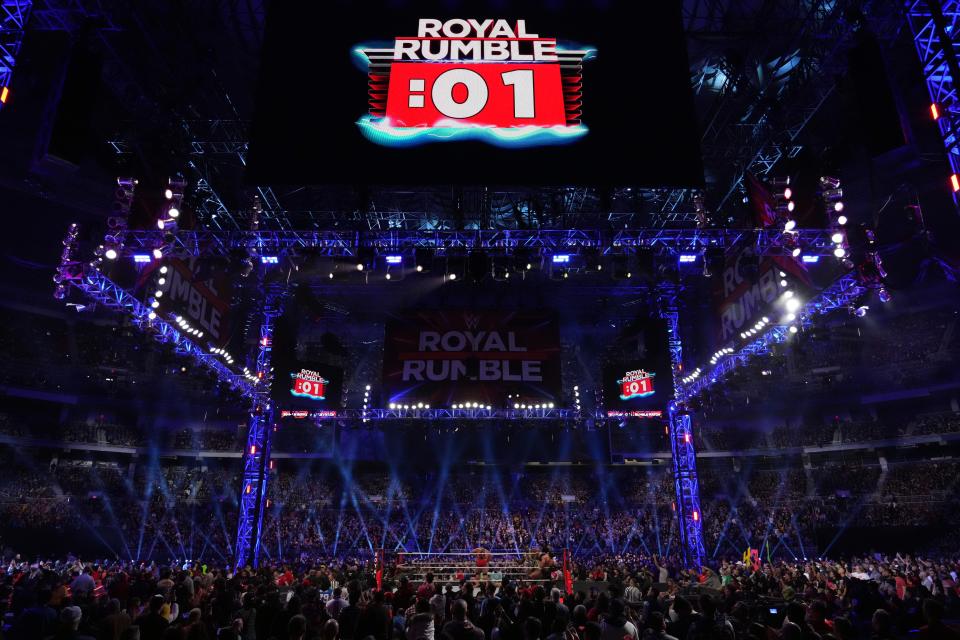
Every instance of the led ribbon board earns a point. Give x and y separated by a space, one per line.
466 79
636 384
309 384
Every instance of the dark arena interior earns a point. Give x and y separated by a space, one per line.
479 320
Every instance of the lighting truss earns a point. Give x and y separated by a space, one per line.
839 295
934 25
101 289
684 458
461 414
256 455
346 243
671 242
13 20
686 486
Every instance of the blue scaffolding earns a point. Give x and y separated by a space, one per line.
87 278
256 456
13 20
934 26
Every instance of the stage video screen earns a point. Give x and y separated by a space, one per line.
427 92
490 358
639 383
307 386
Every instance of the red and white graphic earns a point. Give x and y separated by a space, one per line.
636 384
482 73
309 384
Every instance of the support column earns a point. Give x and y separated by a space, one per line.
256 455
933 23
686 486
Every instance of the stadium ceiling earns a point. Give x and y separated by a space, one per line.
760 71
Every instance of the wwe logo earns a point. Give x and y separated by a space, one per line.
472 321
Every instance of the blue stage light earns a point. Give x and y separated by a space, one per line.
394 259
688 257
561 258
141 258
269 260
811 259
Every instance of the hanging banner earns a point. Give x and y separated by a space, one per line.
491 358
200 295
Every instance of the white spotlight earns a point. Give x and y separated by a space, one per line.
790 225
110 254
841 220
836 238
793 329
168 194
359 266
163 269
792 305
840 252
453 276
174 212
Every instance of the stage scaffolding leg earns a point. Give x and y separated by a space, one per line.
686 486
689 517
256 455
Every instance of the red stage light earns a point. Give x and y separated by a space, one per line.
955 183
4 95
934 111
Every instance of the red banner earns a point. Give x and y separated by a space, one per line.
751 287
444 358
200 296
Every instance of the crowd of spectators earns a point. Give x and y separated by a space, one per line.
628 596
160 509
724 437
